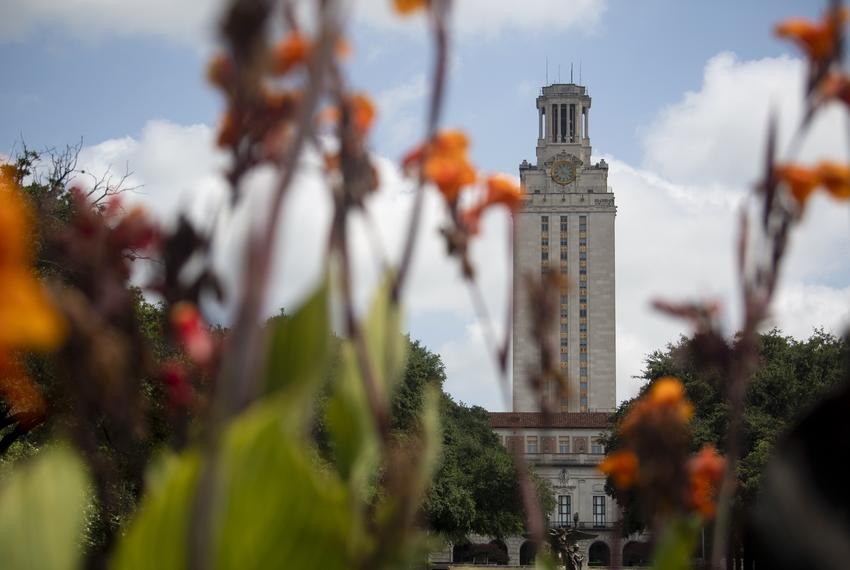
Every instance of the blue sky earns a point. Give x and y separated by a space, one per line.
680 92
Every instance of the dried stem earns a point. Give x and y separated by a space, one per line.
439 12
238 382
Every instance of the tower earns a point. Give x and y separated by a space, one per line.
566 225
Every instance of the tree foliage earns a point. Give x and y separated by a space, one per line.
791 378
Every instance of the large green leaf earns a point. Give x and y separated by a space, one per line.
42 506
676 544
277 505
298 349
156 538
350 424
386 345
281 509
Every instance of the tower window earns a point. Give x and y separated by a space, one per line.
554 123
564 123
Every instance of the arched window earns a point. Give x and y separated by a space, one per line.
599 554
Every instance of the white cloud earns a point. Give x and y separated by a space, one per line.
193 21
490 18
676 228
717 134
180 170
185 21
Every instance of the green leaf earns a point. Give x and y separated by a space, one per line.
158 534
676 544
350 424
298 348
386 345
281 509
42 506
277 505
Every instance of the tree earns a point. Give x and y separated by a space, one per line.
475 489
791 378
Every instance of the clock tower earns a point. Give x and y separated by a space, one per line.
566 225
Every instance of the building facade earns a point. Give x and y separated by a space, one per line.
566 225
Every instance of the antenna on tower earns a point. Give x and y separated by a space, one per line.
547 70
559 73
571 72
579 73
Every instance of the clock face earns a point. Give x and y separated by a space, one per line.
563 172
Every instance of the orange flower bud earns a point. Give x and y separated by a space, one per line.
220 71
502 189
800 180
446 163
819 40
835 178
293 50
622 467
706 473
405 7
192 332
362 113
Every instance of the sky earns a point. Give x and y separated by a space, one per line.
681 94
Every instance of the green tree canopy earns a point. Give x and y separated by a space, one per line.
791 378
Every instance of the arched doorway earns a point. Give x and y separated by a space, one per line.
599 554
636 553
499 552
527 553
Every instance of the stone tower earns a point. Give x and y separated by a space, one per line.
566 224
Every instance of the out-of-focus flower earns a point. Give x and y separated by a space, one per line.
706 472
446 163
27 320
500 190
665 401
191 331
835 178
622 467
228 134
220 71
21 394
176 379
818 40
409 6
290 52
362 113
800 180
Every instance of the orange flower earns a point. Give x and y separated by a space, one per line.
293 50
706 472
501 189
819 40
800 180
362 113
228 133
192 332
665 399
409 6
26 318
446 163
220 71
835 178
622 467
21 394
